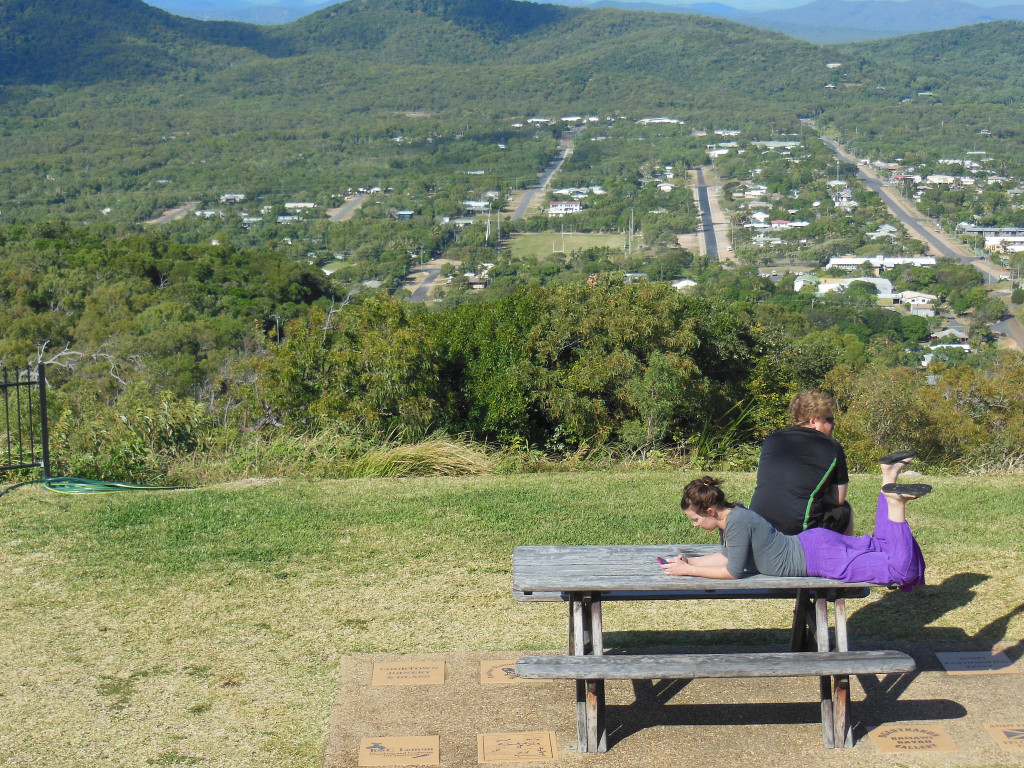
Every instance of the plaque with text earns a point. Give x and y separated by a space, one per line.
977 663
503 672
1009 736
400 750
912 738
408 673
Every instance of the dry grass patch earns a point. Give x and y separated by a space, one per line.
205 627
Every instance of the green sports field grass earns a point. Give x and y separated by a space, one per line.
541 245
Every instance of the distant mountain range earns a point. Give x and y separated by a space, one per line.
839 21
821 21
104 97
242 10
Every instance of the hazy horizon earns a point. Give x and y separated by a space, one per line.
744 5
768 5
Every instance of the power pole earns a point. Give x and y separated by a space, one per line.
629 248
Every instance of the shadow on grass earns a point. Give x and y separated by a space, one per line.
908 616
897 619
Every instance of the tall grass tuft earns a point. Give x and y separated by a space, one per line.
437 456
328 453
719 440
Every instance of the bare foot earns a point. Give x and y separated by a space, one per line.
895 463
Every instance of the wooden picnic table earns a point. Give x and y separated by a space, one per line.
586 576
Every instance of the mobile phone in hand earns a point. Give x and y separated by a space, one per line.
662 560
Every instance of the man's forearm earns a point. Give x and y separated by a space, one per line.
836 494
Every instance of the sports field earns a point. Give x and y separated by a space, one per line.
541 244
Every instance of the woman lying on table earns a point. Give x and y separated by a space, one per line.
890 555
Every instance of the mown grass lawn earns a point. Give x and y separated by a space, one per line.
204 626
542 245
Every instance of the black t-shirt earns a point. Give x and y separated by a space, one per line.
797 466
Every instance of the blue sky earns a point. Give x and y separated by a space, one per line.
744 4
766 5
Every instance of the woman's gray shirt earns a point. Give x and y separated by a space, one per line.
753 545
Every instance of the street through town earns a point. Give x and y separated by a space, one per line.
926 229
526 201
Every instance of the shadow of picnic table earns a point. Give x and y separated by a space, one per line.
913 615
908 616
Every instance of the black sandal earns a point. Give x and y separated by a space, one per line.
899 457
907 490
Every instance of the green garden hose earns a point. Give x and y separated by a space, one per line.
81 485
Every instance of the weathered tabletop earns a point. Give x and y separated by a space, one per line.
600 568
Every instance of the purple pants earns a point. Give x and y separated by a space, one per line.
890 555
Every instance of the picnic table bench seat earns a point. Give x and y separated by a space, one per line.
671 666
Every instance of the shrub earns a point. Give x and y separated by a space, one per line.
131 441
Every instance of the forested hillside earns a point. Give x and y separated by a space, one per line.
957 90
166 339
77 43
158 352
200 119
112 104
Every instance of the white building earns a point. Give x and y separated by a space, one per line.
886 230
951 333
916 297
880 263
1004 244
802 280
562 207
882 287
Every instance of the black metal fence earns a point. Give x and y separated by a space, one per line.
25 435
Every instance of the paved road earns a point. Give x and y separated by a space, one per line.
924 229
174 213
564 151
707 226
921 227
421 293
344 213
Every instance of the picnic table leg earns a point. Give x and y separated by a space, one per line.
841 704
587 638
578 619
572 625
798 634
824 682
597 734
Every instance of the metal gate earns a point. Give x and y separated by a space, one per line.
24 435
